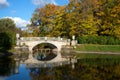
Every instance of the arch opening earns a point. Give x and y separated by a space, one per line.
44 51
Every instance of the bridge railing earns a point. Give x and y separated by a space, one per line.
44 39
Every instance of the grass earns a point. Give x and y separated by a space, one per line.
100 56
98 48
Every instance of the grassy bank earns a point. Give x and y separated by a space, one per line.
98 48
100 56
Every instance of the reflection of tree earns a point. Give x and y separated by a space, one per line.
7 66
86 69
97 69
41 74
21 53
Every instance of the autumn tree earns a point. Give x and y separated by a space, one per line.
73 17
45 17
107 17
80 18
60 27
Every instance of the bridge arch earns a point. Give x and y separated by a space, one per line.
45 45
52 43
32 44
44 51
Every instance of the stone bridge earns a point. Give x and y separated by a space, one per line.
31 42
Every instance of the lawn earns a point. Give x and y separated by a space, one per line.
98 48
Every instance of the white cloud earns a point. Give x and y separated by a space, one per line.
3 3
43 2
20 23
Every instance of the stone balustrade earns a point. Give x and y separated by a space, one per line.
44 38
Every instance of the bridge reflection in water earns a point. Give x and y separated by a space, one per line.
57 61
50 64
46 64
44 54
34 63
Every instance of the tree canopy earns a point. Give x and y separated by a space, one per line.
80 18
8 31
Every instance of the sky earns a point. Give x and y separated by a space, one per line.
21 10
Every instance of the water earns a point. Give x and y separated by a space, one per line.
85 69
22 75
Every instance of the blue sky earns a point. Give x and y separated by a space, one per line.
21 10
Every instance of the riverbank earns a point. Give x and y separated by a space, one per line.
97 51
98 56
94 48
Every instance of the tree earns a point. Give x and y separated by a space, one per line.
45 16
7 23
6 41
7 34
60 27
80 17
107 17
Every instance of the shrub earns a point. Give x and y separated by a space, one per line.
7 40
104 40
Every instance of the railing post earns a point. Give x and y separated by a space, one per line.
45 38
58 38
73 42
17 37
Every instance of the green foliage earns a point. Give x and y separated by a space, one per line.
7 40
105 40
7 34
7 23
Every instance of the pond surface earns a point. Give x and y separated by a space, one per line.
85 69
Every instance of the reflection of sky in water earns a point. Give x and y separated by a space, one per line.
22 75
3 78
85 69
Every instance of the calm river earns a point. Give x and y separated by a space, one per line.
85 69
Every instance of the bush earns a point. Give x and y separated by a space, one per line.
7 40
104 40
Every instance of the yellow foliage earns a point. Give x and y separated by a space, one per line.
117 32
100 13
